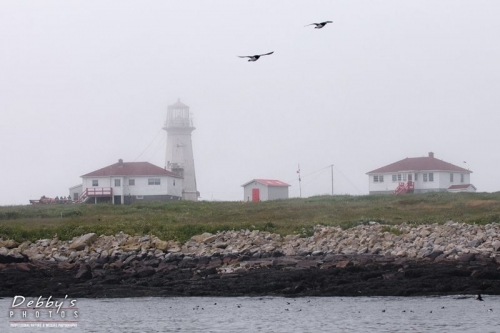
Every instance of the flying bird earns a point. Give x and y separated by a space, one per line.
319 25
256 57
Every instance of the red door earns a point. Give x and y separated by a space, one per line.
255 194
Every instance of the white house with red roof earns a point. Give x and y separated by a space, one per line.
128 182
265 189
419 175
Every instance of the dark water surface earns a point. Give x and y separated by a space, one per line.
269 314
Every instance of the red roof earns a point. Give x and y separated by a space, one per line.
456 187
268 182
427 163
131 169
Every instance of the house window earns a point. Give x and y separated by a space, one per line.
394 178
381 178
117 182
431 177
410 177
131 182
154 181
95 182
451 178
139 197
425 177
75 196
461 177
375 179
416 176
399 177
174 182
404 176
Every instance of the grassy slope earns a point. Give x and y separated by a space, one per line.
181 220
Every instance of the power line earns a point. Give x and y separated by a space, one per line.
357 189
148 145
311 173
161 146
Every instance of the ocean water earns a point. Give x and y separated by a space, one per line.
262 314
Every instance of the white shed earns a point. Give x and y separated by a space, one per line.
265 189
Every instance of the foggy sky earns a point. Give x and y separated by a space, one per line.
85 83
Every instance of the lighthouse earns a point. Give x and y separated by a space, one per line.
179 157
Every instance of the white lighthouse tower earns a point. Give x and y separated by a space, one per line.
179 157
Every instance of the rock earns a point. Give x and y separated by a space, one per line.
9 243
209 239
174 249
160 244
433 255
131 247
13 258
343 263
84 273
467 257
201 238
496 245
145 272
82 241
425 233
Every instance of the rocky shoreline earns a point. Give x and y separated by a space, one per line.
368 260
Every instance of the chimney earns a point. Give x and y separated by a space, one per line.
431 154
120 162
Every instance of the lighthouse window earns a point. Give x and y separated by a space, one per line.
154 181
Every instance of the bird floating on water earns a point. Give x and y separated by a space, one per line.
319 25
256 57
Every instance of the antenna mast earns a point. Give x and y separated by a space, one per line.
300 186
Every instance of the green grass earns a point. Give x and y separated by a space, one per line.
181 219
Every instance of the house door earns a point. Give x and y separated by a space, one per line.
255 194
118 200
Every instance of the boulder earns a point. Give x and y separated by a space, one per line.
84 273
201 238
9 243
79 243
467 257
13 258
160 244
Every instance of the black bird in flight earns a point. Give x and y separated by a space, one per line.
319 25
256 57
